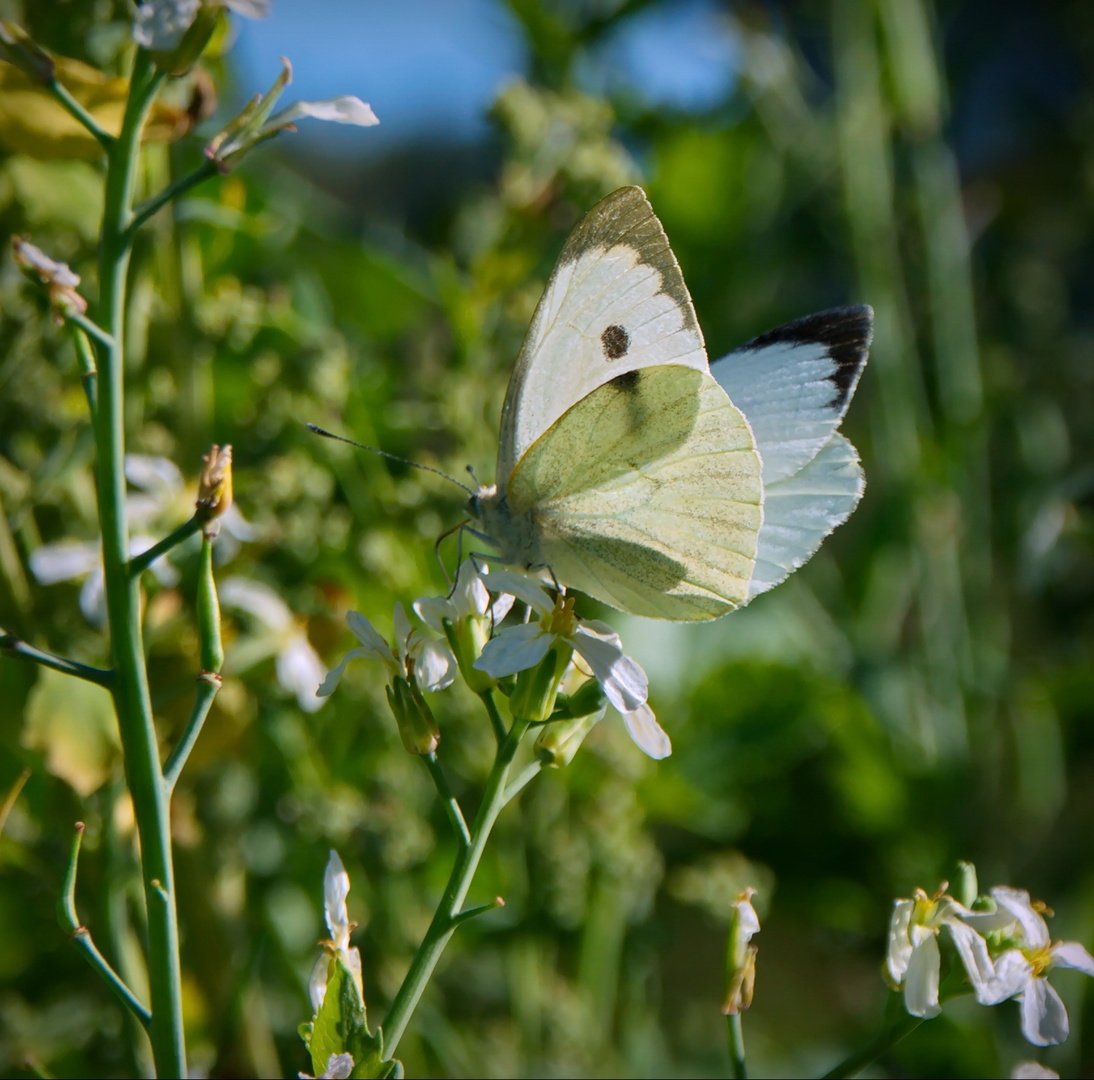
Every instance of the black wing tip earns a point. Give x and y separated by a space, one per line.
846 332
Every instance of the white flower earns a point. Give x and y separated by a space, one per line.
255 125
298 666
913 959
595 644
335 890
70 560
414 656
469 599
1032 1070
744 925
1021 971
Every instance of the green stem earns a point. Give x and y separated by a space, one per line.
203 172
139 563
89 372
209 683
451 806
91 328
524 778
496 721
75 109
736 1037
448 914
9 643
897 1028
81 936
132 699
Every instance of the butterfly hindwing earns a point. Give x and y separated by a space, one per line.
646 494
616 302
794 384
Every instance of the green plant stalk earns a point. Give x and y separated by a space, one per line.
735 1036
448 915
132 700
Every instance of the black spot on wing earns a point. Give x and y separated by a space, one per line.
845 332
615 341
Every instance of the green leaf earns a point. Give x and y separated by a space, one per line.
341 1026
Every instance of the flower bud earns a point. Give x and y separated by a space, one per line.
533 698
560 740
417 728
740 954
215 482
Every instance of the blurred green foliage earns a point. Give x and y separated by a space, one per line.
920 693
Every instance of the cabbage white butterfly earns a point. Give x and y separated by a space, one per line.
640 474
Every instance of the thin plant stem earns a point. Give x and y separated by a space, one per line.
209 683
15 646
91 328
898 1026
496 722
451 806
736 1038
139 563
81 936
12 797
89 372
522 780
205 171
76 110
448 913
132 698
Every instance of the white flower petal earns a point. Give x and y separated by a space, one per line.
433 610
93 597
1012 974
257 600
335 890
64 560
252 9
341 110
1032 1070
623 681
1070 954
372 643
647 733
299 670
973 950
921 980
1044 1018
334 676
317 981
470 595
514 649
153 474
434 664
402 631
339 1067
523 587
900 945
1016 902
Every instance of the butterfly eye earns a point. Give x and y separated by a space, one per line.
615 341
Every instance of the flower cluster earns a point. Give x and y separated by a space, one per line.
552 652
1004 948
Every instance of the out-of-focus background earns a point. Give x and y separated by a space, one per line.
920 693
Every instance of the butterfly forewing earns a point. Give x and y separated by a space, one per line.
616 302
646 494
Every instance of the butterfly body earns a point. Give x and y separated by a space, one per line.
625 468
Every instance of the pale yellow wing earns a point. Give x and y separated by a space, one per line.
646 494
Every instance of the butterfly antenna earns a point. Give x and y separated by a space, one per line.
316 429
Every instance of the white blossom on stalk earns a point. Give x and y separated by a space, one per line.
297 664
335 890
415 656
1032 1070
595 644
255 125
913 961
1021 970
469 599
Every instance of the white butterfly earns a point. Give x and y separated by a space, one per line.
639 474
